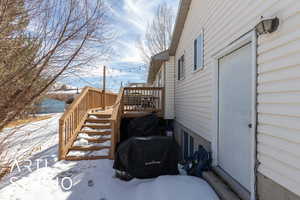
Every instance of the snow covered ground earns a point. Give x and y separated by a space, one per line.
32 138
43 177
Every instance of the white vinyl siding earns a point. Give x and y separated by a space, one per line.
165 78
278 78
169 88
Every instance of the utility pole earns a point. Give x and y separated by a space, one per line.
103 85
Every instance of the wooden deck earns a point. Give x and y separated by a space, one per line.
137 114
98 114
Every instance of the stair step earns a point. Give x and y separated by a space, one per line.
97 126
90 136
76 158
99 115
96 132
91 148
101 140
91 120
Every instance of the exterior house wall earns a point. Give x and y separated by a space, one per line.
155 82
169 88
278 131
166 74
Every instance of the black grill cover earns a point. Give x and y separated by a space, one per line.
148 157
144 126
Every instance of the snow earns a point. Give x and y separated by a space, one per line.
97 117
85 180
81 142
86 136
93 117
96 123
94 180
31 138
102 152
95 129
85 143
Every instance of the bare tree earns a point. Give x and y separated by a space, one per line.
49 38
39 41
158 34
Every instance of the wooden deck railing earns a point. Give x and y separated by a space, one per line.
75 115
143 99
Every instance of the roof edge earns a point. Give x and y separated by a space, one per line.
183 10
155 64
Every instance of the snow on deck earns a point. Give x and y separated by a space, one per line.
87 180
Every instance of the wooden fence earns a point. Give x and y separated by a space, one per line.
75 115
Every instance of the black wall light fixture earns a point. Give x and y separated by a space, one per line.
267 25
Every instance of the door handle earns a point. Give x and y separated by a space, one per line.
250 125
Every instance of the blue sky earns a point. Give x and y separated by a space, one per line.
129 19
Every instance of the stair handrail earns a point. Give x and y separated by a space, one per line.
116 122
77 100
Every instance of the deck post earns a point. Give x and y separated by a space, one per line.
103 95
61 140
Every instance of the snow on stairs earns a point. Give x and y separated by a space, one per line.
94 139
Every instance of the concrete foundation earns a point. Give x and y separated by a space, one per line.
267 189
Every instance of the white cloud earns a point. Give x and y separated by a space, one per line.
140 12
98 72
133 18
130 52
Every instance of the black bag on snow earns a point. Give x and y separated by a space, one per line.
144 126
148 157
199 162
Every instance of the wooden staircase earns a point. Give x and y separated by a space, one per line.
87 128
90 127
94 140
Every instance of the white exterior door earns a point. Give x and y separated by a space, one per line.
234 142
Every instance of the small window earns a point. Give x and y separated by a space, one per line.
198 52
185 145
191 146
180 68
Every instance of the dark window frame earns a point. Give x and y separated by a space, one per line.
185 145
195 54
180 68
191 146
